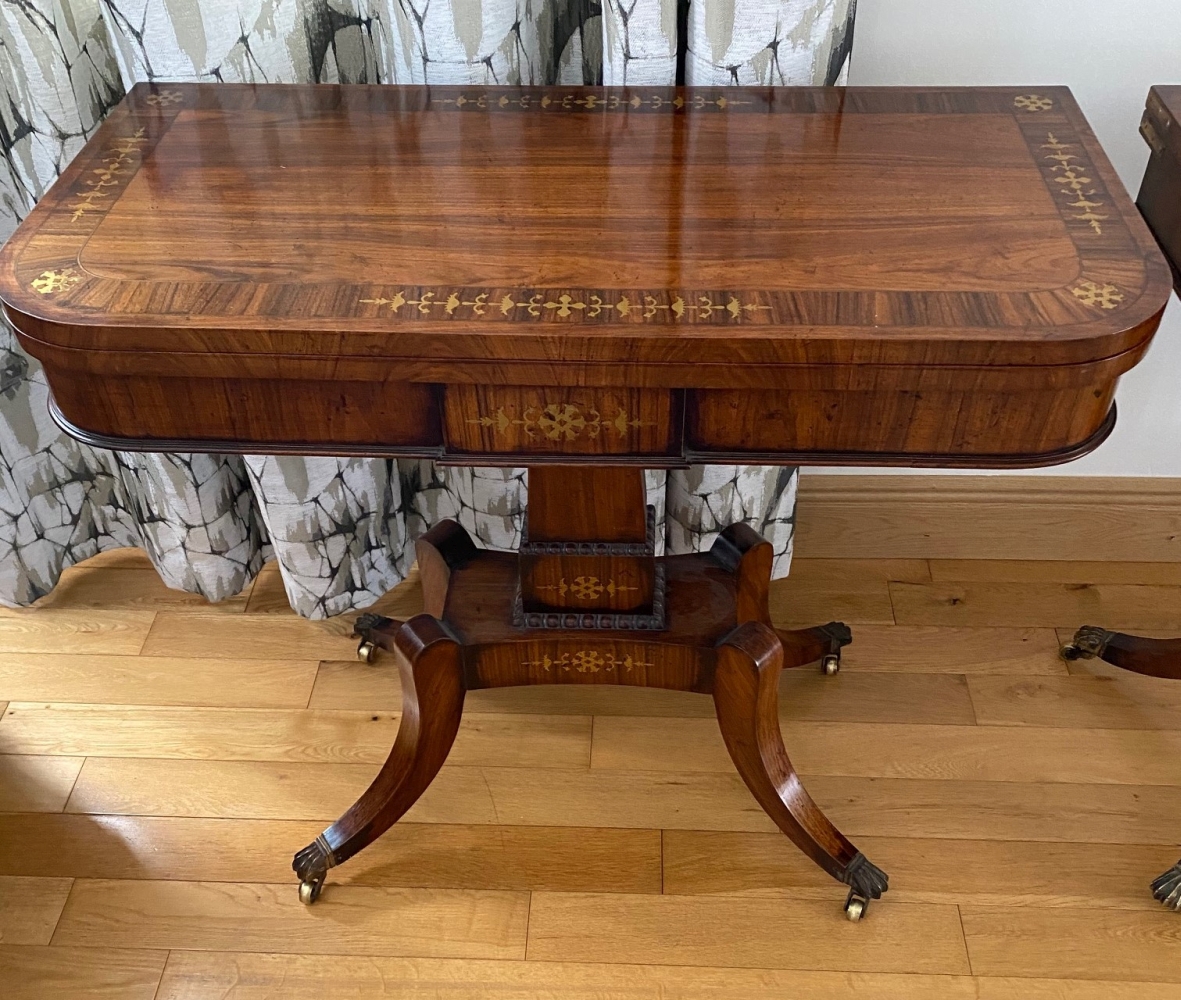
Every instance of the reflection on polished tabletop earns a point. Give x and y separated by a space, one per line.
944 276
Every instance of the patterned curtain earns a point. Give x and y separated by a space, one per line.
341 529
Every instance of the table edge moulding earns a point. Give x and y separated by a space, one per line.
914 276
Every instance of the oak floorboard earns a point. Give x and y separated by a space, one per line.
268 594
988 872
37 973
796 602
874 750
1134 814
1035 571
122 558
352 685
1079 701
356 920
157 680
239 790
281 735
857 572
745 933
30 908
957 650
248 636
112 588
804 694
243 976
1083 943
1121 607
568 859
1006 988
66 630
464 795
269 597
35 784
943 516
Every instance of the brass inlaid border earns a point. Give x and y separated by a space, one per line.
1091 293
546 304
483 100
562 421
585 588
1033 103
1075 182
56 280
164 98
1078 190
109 175
586 661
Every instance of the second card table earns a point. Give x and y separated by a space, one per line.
590 282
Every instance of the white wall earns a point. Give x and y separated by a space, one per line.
1109 52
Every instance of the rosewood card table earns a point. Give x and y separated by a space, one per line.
589 282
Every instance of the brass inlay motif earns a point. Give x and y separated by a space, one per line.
586 588
591 102
586 661
591 305
558 421
48 282
164 98
1075 183
1033 103
1101 296
118 156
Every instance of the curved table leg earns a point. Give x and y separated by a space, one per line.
432 703
1167 888
823 643
446 546
1153 658
746 697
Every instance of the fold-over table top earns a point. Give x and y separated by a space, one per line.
639 225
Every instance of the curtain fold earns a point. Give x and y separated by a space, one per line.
341 529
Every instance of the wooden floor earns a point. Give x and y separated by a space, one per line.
163 758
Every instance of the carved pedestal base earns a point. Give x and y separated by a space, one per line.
718 640
1153 658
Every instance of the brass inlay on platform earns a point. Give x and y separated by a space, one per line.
118 156
1033 103
561 421
590 305
590 102
48 282
586 588
1101 296
586 661
1075 183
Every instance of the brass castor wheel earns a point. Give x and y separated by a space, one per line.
855 907
865 881
831 664
309 891
366 651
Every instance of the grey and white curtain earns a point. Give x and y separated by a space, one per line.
341 529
